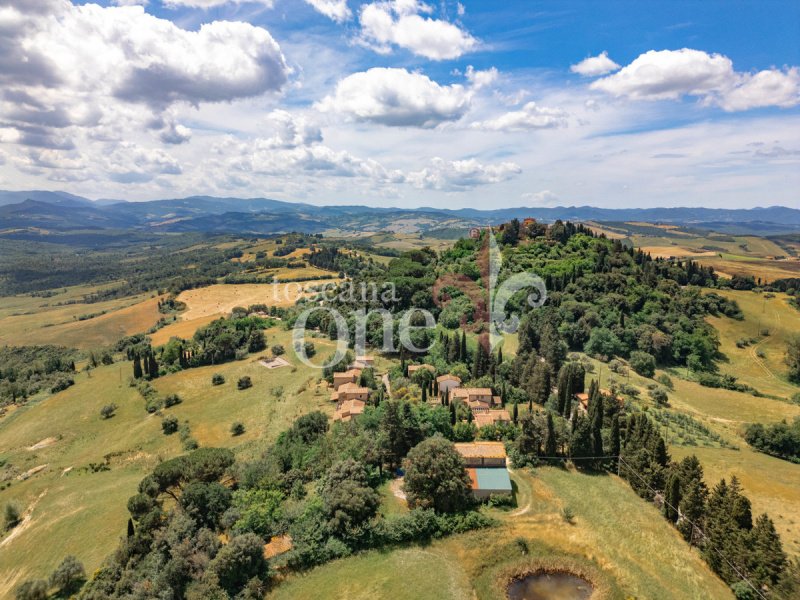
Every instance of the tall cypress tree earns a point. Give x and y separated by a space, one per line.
462 355
515 413
152 366
453 417
672 498
597 422
131 530
614 447
550 447
137 367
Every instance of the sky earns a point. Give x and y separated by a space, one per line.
448 104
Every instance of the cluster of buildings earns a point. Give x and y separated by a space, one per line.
486 408
486 467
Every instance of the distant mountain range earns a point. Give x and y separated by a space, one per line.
36 214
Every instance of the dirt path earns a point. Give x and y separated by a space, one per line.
387 383
23 524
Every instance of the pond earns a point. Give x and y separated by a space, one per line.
550 586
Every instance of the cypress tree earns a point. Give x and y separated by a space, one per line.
672 498
453 418
500 356
137 367
581 439
462 356
131 530
614 447
768 558
153 366
597 423
146 364
424 393
515 413
550 448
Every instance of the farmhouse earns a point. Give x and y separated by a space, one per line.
415 368
363 362
348 409
475 397
484 417
350 391
448 383
351 376
483 454
583 399
486 467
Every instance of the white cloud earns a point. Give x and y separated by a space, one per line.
595 65
765 88
174 133
530 116
399 23
481 79
461 174
672 74
102 69
396 97
543 198
337 10
669 74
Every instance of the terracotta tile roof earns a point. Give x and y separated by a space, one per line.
448 377
348 409
415 368
482 449
490 417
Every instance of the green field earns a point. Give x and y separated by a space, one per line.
773 314
71 504
629 547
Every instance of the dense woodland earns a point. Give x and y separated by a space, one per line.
27 370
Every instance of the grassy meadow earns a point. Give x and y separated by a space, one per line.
69 503
624 545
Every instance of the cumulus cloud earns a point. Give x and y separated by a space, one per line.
400 23
545 197
481 79
175 133
336 10
672 74
64 67
396 97
461 174
595 65
765 88
530 116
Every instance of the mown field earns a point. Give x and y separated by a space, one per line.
770 320
56 320
624 542
729 254
71 504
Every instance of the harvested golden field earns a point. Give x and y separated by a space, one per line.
221 299
675 251
84 326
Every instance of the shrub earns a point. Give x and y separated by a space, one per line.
217 379
643 363
666 381
11 516
568 515
108 410
172 400
169 424
244 383
35 589
237 428
278 349
659 395
68 576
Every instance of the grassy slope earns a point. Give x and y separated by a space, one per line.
40 321
79 501
624 537
767 374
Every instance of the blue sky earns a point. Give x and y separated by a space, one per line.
406 103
